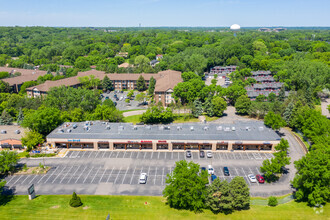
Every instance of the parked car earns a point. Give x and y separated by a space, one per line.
226 171
107 97
260 178
117 99
210 169
213 177
201 154
203 168
143 178
252 178
115 103
188 154
115 96
209 154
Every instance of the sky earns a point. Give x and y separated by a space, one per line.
156 13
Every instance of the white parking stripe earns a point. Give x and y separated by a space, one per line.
110 175
234 156
137 156
158 154
152 154
25 179
74 174
117 154
145 154
125 176
258 171
102 175
58 174
178 156
236 172
97 154
110 154
33 179
81 174
17 179
95 174
246 176
88 175
132 176
172 156
124 154
165 155
103 154
117 176
83 154
11 178
155 176
66 174
49 175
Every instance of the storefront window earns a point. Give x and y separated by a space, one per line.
119 146
162 146
178 146
222 147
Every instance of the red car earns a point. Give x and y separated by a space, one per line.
260 178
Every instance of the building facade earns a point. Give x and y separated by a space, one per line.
222 70
242 136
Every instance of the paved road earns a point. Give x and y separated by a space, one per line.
137 112
324 106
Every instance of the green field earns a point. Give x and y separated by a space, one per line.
134 207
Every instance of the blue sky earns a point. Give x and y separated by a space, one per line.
129 13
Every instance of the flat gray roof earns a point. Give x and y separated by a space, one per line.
240 131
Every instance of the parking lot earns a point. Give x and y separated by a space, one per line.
117 172
168 155
121 104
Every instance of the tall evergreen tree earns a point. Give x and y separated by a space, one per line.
107 84
141 84
288 113
208 107
219 198
281 94
5 118
152 84
20 116
240 193
197 108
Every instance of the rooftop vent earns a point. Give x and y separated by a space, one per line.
261 128
248 129
86 128
191 128
219 128
227 128
3 132
206 128
121 128
69 130
107 127
148 127
135 127
87 123
167 128
17 132
59 131
233 128
178 128
74 126
161 127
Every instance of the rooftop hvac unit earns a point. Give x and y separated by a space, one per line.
148 127
178 128
60 131
191 128
69 130
219 128
74 126
135 127
167 128
227 129
3 132
261 128
247 129
121 128
107 127
233 128
161 127
17 131
206 128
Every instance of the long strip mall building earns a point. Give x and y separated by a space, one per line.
239 136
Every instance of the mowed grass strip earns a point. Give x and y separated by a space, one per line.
134 207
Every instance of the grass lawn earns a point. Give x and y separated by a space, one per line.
132 119
134 207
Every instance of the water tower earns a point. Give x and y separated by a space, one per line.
235 28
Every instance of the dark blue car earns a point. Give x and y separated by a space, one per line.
213 177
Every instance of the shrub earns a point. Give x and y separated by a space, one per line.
75 201
272 201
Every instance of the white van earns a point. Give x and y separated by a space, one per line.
143 178
210 169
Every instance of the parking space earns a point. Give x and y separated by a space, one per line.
173 155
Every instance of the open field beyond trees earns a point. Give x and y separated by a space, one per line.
131 207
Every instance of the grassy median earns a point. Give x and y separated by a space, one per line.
140 207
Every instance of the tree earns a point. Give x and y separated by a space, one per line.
130 94
186 76
107 113
242 105
32 139
141 84
281 94
240 193
219 198
188 91
287 115
197 108
5 118
185 187
140 97
152 84
271 97
156 115
109 102
274 121
107 84
27 85
4 86
261 98
219 106
8 161
313 176
89 81
272 201
209 107
75 201
43 120
20 116
270 168
233 92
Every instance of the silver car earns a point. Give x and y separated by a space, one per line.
252 178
